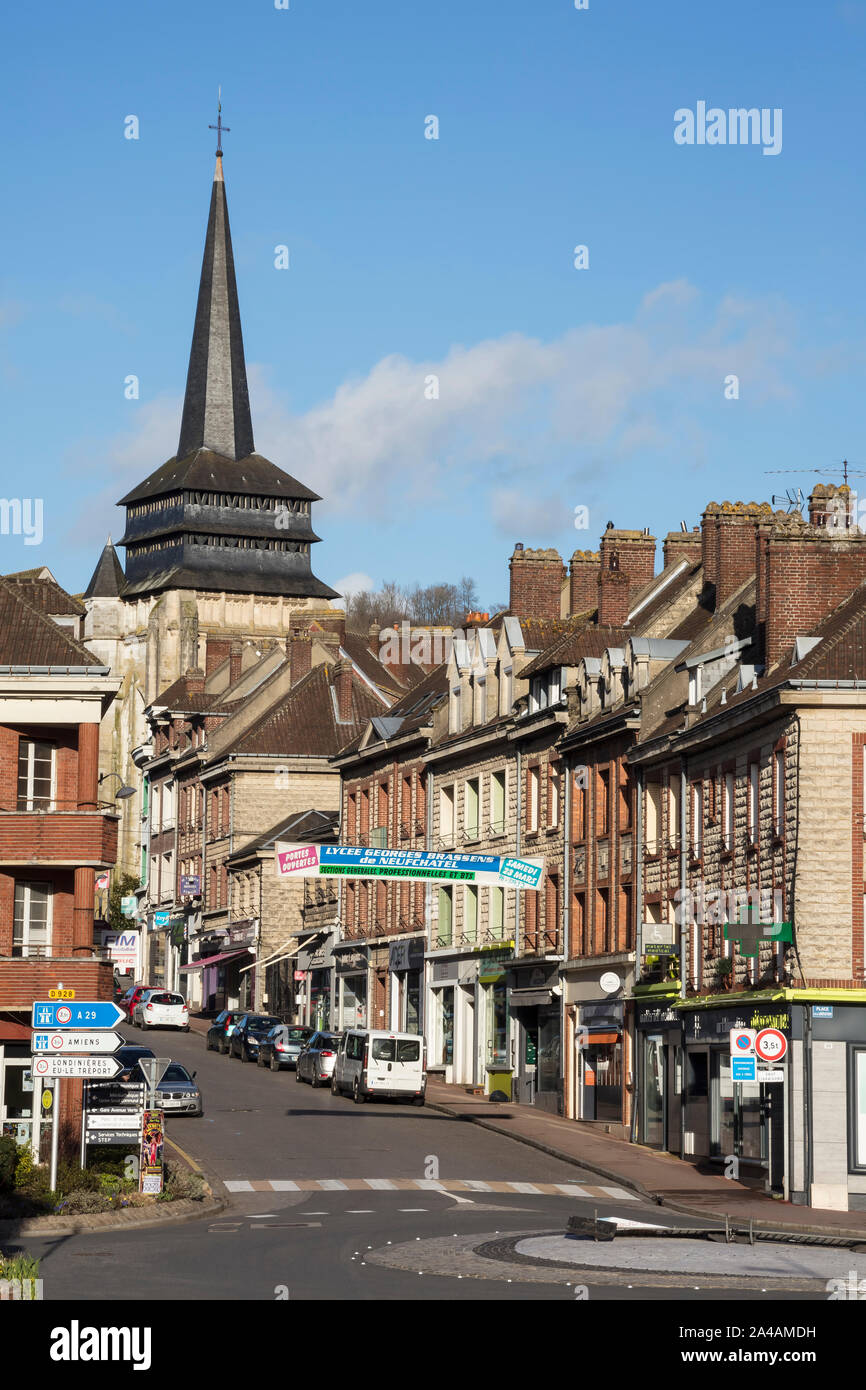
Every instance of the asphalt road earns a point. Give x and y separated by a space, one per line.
311 1244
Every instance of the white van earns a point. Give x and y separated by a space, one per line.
371 1062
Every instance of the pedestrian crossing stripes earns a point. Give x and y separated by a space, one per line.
532 1189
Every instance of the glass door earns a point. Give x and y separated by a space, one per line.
654 1091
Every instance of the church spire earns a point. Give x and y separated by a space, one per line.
216 408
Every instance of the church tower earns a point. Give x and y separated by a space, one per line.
217 539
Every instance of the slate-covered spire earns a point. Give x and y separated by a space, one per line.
216 408
108 579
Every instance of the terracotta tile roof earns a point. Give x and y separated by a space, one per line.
29 638
581 640
305 721
178 697
390 678
46 595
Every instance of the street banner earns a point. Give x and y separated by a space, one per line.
102 1067
152 1141
357 861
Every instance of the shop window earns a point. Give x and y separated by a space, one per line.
35 775
31 927
858 1105
445 1025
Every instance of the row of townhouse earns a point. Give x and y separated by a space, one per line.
58 829
686 751
238 757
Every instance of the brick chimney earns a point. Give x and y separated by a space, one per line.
194 678
804 572
736 528
683 545
536 583
343 686
831 506
217 652
236 653
710 543
583 572
299 650
627 565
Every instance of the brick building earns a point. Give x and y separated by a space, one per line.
57 828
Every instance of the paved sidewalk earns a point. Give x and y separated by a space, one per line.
659 1177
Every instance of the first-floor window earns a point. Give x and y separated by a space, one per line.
497 912
31 931
446 916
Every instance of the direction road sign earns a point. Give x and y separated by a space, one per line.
103 1067
85 1013
129 1119
771 1045
74 1040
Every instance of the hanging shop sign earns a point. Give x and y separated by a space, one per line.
352 962
357 861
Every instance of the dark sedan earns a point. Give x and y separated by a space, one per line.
250 1031
283 1045
220 1031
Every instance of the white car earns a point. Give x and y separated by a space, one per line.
158 1008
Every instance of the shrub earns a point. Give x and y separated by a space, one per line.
180 1183
8 1162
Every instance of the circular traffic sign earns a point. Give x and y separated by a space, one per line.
57 1041
771 1045
743 1043
40 1065
64 1013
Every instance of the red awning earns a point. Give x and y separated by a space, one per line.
215 960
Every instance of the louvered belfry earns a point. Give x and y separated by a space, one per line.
218 517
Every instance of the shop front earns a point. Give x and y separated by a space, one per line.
351 970
406 979
451 1017
315 965
724 1119
601 1075
226 984
829 1082
534 1001
659 1047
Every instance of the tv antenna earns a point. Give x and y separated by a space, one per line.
847 471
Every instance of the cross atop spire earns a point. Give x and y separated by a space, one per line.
219 127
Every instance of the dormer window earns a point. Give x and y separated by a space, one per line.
454 711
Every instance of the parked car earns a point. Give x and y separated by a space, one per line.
282 1045
221 1029
316 1062
131 998
371 1062
177 1091
158 1008
249 1032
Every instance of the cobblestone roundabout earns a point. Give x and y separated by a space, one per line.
497 1255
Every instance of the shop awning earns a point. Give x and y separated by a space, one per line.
215 960
529 998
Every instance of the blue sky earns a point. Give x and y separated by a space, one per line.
410 257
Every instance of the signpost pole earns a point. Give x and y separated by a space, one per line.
36 1082
55 1133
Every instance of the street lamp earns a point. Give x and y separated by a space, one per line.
123 790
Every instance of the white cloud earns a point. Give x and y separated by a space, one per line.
357 583
598 396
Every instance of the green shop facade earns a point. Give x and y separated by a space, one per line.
799 1130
